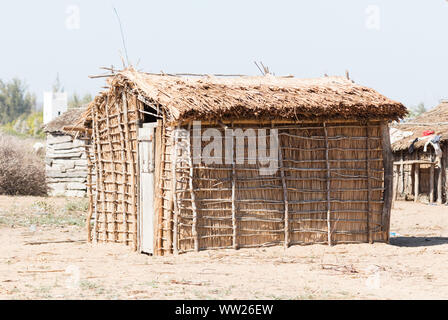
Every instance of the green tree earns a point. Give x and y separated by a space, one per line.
75 101
14 100
417 110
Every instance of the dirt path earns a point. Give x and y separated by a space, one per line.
51 261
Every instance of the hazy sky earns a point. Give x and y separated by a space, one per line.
397 47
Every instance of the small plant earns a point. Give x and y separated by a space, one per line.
79 205
42 206
152 284
88 285
429 277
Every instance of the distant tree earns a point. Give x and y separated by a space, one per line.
76 101
417 110
14 100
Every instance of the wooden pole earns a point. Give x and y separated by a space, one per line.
169 217
416 181
131 158
194 227
114 176
402 174
89 191
396 182
439 181
285 194
234 218
100 177
369 231
124 176
328 187
174 195
97 182
159 183
431 183
388 180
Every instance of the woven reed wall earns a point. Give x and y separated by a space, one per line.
113 171
329 189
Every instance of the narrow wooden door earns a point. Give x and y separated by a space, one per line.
146 148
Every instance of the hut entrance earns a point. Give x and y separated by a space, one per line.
146 148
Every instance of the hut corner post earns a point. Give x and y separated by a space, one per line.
328 181
369 188
159 185
388 180
194 227
90 165
174 195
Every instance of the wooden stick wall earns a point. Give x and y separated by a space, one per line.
330 188
114 168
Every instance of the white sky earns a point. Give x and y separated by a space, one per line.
406 59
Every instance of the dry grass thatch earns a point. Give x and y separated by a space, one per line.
435 119
68 118
265 97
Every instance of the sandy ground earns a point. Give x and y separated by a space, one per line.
44 256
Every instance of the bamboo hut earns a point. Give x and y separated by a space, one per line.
65 157
420 171
332 181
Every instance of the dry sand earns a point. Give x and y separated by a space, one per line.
38 261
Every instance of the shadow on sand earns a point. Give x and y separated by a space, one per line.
418 241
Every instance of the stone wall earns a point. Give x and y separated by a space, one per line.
66 166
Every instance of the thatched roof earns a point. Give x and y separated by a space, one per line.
68 118
263 97
435 119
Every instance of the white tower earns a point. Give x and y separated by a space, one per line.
55 104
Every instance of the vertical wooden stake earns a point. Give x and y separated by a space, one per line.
114 176
97 180
194 227
124 175
388 180
234 218
133 173
100 176
416 181
439 181
174 195
159 185
89 190
369 231
402 174
328 186
431 183
396 181
285 193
